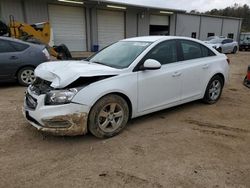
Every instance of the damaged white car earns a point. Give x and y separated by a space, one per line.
128 79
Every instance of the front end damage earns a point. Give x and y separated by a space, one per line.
49 105
66 119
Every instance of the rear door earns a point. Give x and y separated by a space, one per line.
195 68
158 88
10 56
227 45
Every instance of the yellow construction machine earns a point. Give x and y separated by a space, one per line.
39 33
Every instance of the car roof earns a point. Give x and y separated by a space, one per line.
157 38
14 40
41 46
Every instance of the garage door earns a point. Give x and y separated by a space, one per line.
111 27
68 24
159 20
159 25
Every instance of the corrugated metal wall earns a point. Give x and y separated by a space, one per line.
202 25
36 11
30 11
231 26
13 7
187 24
137 21
210 25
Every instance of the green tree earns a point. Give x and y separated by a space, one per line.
239 11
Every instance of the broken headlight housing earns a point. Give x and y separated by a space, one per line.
57 97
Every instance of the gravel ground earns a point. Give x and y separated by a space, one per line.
192 145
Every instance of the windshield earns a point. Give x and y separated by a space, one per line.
212 37
121 54
216 41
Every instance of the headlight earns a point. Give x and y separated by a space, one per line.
60 96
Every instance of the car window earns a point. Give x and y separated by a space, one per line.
5 46
165 52
206 52
191 50
19 46
226 41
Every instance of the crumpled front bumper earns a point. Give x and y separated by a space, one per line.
67 119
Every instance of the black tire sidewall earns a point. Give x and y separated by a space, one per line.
206 97
235 50
20 81
93 116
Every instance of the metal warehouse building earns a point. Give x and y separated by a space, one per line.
82 24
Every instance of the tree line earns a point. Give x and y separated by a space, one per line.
239 11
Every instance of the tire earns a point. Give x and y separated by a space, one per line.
219 50
26 76
63 52
213 91
235 50
102 121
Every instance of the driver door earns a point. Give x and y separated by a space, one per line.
161 87
9 60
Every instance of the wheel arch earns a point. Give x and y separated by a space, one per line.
220 75
23 67
213 75
125 97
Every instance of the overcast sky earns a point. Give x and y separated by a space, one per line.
200 5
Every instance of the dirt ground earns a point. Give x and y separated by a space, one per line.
193 145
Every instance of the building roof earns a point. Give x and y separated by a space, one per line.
140 4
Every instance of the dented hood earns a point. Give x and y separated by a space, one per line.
63 73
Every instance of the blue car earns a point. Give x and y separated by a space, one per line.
18 60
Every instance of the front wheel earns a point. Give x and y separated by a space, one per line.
213 90
235 50
108 116
26 76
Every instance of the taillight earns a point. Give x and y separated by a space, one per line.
248 73
46 53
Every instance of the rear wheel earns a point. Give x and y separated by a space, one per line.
219 49
108 116
26 76
235 50
214 90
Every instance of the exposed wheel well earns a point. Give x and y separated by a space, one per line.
125 98
22 68
220 75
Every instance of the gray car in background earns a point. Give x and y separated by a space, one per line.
224 45
18 60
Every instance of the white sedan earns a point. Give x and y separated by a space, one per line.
130 78
224 45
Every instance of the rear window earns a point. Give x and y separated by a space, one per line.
194 50
5 46
206 52
19 46
191 50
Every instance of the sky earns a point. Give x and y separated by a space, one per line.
200 5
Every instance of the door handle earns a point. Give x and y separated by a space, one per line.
13 57
205 66
176 74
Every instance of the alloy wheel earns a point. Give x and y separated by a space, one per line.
214 90
110 117
28 76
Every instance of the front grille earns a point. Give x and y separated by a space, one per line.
31 102
40 86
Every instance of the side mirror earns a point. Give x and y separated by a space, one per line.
151 64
